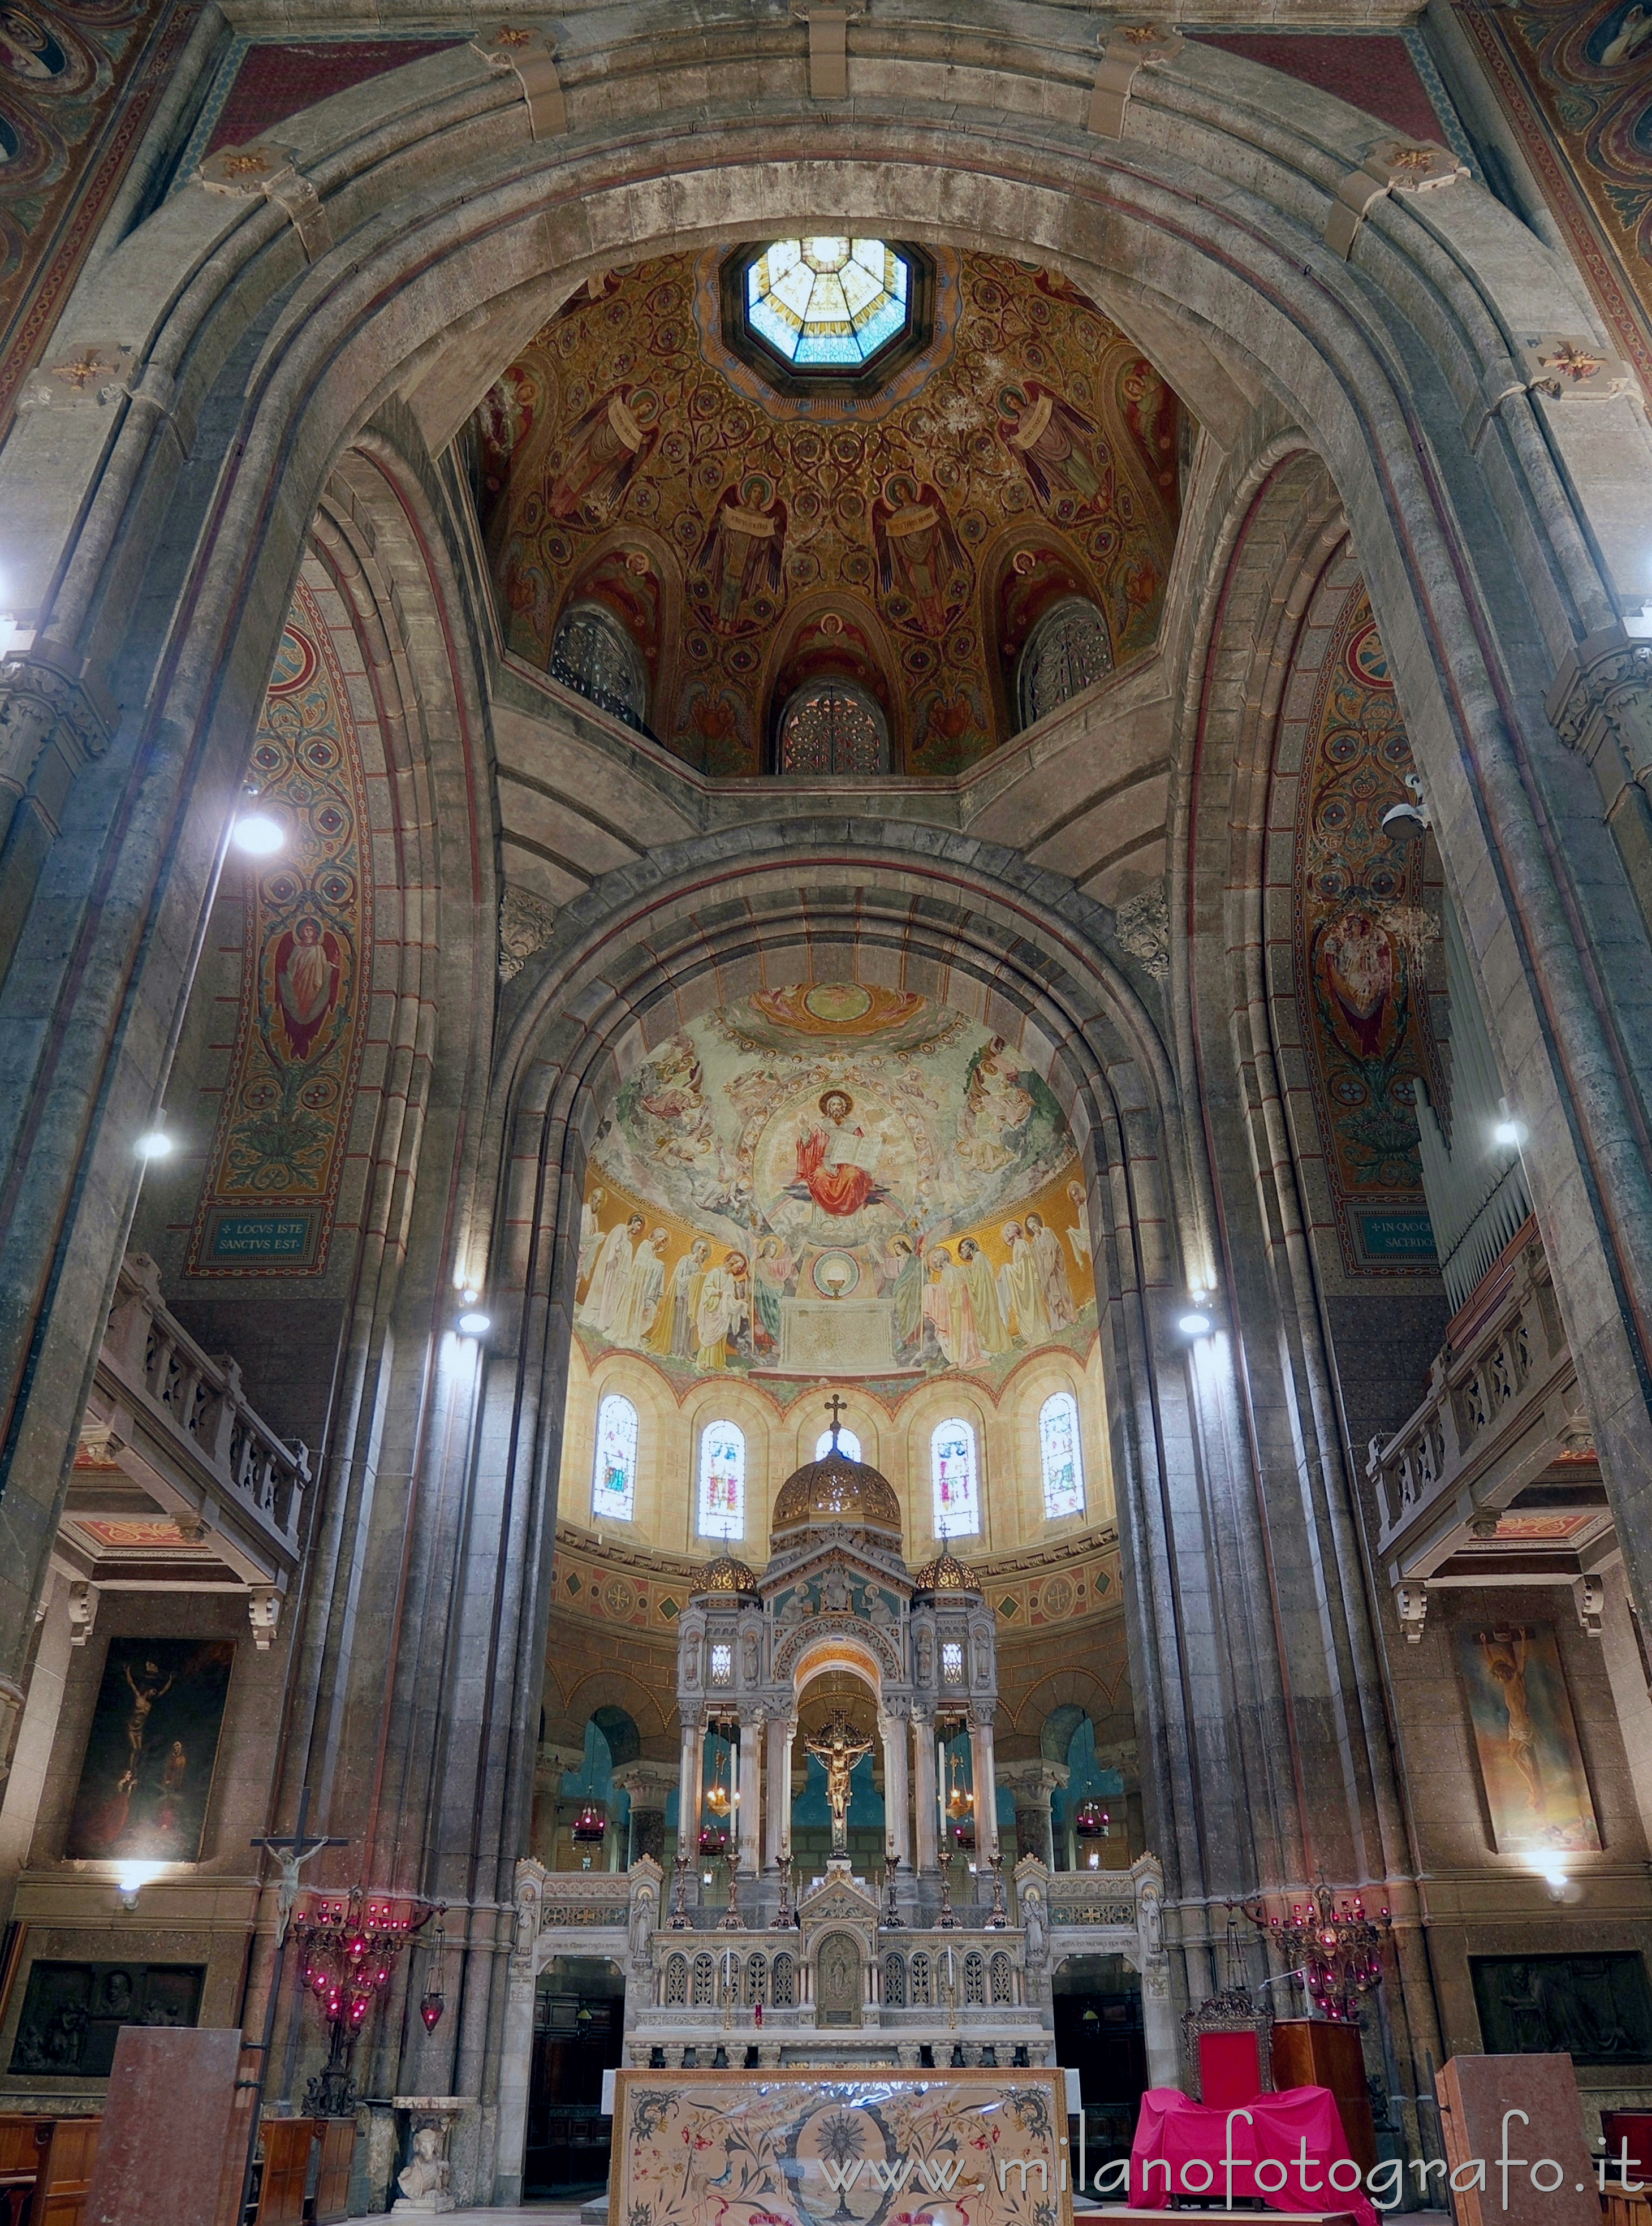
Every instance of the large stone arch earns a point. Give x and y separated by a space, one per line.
455 234
1377 366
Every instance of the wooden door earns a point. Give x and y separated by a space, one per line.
61 2190
287 2145
337 2156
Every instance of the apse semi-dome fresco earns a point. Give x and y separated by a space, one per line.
835 1178
829 505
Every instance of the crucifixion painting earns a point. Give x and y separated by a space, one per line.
837 1747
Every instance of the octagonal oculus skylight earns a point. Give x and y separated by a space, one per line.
829 305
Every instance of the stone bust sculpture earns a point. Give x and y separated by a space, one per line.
423 2180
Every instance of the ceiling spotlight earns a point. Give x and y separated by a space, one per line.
1194 1325
154 1144
474 1325
258 835
470 1297
1509 1135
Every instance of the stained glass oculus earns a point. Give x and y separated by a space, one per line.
828 304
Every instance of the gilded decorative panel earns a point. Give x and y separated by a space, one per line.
268 1202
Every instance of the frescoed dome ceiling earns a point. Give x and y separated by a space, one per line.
1002 448
864 1181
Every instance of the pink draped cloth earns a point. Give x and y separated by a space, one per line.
1302 2122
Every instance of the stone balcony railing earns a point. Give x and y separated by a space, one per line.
174 1419
1500 1435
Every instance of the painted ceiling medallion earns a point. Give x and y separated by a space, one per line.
826 304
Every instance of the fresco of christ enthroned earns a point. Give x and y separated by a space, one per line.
836 1163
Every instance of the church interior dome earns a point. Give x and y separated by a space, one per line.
945 1574
824 507
836 1490
726 1574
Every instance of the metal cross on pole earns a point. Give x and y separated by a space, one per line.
835 1408
292 1850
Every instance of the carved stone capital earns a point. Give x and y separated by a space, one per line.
1600 704
1141 929
51 720
525 925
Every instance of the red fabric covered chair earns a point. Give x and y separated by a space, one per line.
1230 2069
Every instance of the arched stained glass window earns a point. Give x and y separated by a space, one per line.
1067 650
722 1481
613 1474
1061 1459
956 1481
593 655
830 726
847 1443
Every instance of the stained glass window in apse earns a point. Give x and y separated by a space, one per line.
613 1475
956 1484
722 1481
1061 1459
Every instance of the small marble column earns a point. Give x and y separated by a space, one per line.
690 1778
778 1763
897 1832
750 1822
981 1757
923 1791
648 1785
1032 1783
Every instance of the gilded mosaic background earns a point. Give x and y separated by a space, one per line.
747 537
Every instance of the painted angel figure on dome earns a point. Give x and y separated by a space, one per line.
836 1163
744 550
1059 449
918 552
604 452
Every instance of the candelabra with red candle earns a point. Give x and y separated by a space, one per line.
348 1947
1336 1947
